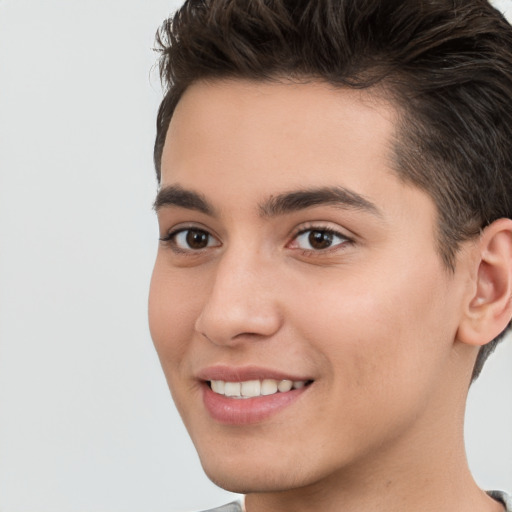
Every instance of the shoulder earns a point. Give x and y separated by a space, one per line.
503 498
235 506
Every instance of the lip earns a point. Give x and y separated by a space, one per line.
246 411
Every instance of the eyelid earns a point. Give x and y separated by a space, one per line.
325 227
183 226
322 226
170 236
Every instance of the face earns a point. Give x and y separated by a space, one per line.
301 312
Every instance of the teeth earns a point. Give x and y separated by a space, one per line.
268 387
233 389
251 388
254 388
218 386
285 385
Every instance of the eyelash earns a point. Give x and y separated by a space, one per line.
170 239
324 230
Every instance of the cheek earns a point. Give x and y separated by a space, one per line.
173 307
380 332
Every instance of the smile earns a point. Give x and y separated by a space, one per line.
254 388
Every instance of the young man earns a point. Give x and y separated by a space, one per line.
335 262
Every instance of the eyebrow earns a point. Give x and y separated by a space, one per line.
288 202
301 199
174 195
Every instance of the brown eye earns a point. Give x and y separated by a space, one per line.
192 239
196 239
320 239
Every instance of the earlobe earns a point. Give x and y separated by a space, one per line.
489 309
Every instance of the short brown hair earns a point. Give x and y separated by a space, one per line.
446 64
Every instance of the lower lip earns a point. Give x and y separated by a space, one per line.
244 411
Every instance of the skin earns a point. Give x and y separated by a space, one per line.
373 319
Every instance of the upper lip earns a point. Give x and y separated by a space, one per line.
245 373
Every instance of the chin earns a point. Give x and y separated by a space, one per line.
251 476
253 482
235 483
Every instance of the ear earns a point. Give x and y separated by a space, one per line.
489 308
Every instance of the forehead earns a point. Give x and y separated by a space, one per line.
239 143
274 123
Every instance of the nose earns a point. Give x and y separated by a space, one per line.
242 303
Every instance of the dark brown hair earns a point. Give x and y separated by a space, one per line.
446 65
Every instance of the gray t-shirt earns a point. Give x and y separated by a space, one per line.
236 506
502 497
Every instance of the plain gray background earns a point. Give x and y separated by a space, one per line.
86 421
